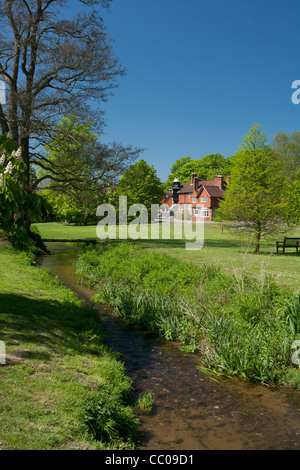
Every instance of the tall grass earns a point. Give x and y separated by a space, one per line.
237 323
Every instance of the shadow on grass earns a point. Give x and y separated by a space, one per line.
181 243
289 253
57 326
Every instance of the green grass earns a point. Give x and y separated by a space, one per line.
65 231
60 387
241 326
221 248
145 402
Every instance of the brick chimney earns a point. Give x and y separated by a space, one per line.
194 181
218 180
228 180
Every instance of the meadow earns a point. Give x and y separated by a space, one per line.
222 248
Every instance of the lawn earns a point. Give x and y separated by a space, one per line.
60 386
221 248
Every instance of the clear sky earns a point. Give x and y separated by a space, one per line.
200 73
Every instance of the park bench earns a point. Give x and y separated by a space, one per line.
288 242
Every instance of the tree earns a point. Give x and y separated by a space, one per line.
213 164
75 159
288 147
78 170
54 66
255 196
293 199
205 168
140 184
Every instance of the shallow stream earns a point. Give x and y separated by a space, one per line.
192 411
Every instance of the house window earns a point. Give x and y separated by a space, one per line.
190 195
203 198
204 212
194 200
195 212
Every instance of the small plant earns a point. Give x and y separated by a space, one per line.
145 402
292 315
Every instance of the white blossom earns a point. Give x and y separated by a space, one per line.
18 153
8 169
2 159
1 180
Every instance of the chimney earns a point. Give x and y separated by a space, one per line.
196 183
228 180
218 179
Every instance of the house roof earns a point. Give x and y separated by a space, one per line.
186 188
212 191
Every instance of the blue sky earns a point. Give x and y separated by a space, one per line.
200 73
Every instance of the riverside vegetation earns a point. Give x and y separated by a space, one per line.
61 388
242 326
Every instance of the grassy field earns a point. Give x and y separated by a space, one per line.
221 248
60 387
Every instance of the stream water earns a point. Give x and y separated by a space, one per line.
191 411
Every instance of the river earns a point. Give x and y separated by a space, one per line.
191 411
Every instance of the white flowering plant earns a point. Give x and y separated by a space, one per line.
17 206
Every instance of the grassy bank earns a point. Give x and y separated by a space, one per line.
222 249
241 325
60 387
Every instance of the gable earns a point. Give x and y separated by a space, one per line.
211 191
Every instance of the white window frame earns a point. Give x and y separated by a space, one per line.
203 199
204 212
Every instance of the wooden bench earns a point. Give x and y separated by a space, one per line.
288 242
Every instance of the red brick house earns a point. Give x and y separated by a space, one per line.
197 199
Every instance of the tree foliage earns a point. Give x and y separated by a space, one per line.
140 184
76 160
78 170
287 146
256 195
205 168
15 202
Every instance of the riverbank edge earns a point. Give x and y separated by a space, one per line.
61 387
127 304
